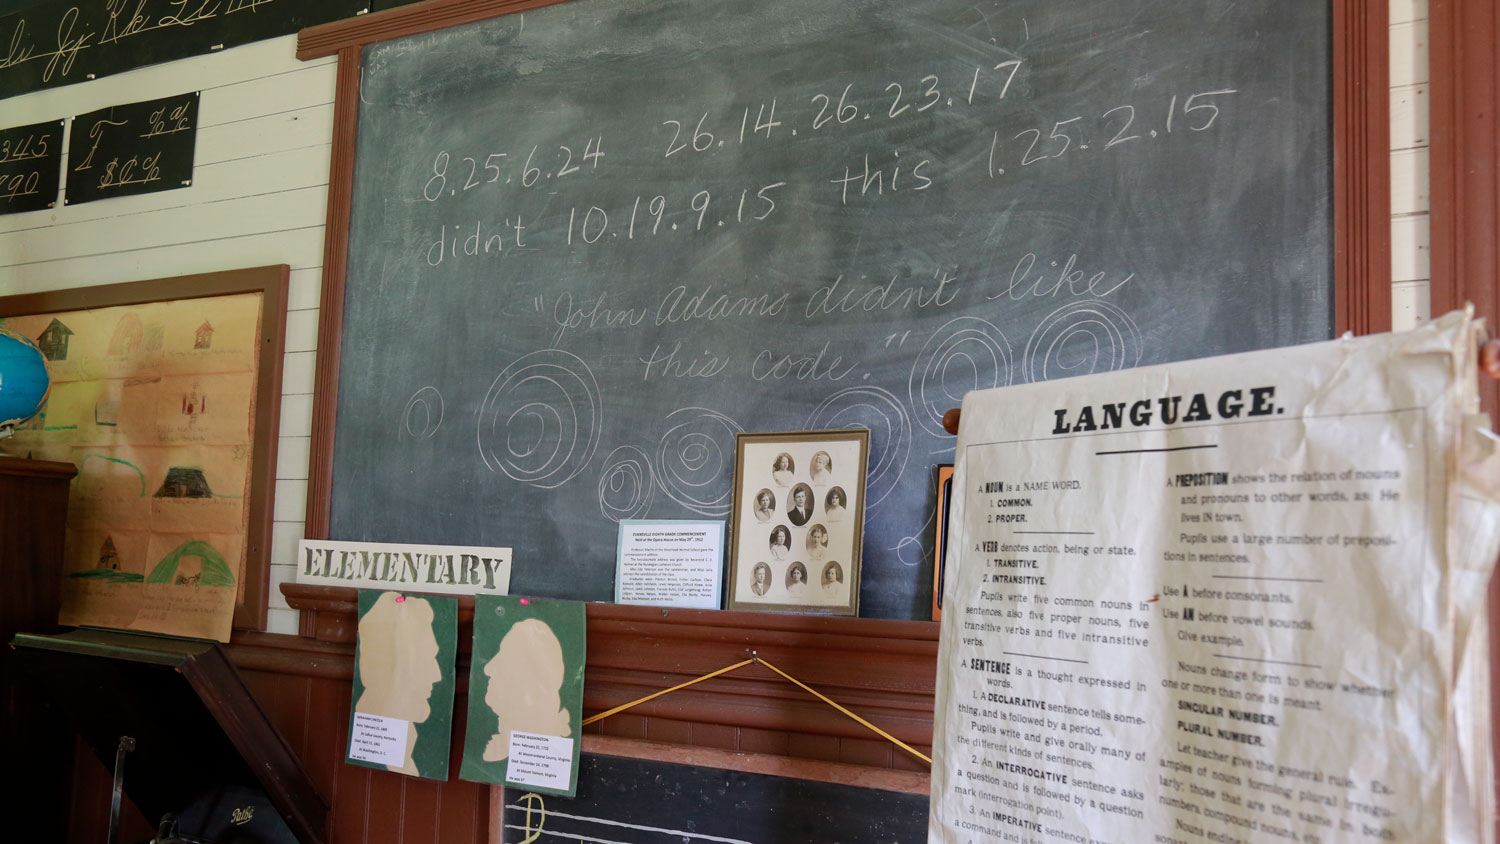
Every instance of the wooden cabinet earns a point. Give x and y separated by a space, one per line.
35 740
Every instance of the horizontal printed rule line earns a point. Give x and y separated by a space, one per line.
1156 450
1278 579
1271 661
1054 658
1056 532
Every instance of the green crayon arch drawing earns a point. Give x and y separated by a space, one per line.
126 463
213 572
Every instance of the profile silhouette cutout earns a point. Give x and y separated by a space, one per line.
398 664
526 677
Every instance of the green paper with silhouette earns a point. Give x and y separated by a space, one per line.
526 694
401 716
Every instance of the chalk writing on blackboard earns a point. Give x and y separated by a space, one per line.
50 44
132 149
30 166
609 255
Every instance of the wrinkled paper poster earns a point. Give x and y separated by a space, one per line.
1236 599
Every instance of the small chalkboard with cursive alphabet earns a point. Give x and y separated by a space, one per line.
48 43
130 149
591 242
30 166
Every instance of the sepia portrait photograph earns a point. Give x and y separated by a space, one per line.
798 521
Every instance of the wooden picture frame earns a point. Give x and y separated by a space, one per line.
798 521
940 536
270 283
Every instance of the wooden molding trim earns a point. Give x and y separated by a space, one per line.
331 305
1465 163
1464 36
1361 167
336 36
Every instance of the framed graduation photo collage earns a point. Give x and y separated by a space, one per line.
798 521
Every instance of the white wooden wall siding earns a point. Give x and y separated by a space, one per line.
1411 264
260 187
259 193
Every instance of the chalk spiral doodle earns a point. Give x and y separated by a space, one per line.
626 486
967 353
695 458
540 420
1082 338
890 433
423 414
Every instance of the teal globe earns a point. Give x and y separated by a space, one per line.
23 380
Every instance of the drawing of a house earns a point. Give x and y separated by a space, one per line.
205 336
54 341
194 404
184 482
109 558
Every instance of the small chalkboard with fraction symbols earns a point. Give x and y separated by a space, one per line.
131 149
30 164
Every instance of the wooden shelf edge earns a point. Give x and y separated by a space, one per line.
25 467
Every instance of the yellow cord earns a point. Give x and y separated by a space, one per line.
887 736
621 708
882 733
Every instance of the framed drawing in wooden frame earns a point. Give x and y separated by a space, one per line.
166 396
798 521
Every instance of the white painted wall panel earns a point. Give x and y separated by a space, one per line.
1409 126
1408 53
1410 187
1411 256
1408 11
259 196
1409 303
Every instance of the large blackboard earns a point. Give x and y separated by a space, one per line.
593 241
634 800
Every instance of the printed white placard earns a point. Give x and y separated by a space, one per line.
538 760
378 739
670 563
444 569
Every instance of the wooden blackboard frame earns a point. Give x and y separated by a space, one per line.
1361 181
1361 177
271 283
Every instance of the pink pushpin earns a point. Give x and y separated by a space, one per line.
525 601
400 598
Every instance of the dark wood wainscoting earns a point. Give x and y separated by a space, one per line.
883 670
749 719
